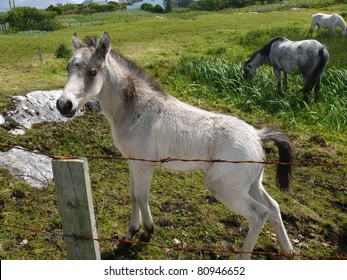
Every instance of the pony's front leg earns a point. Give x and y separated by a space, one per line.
140 179
135 220
285 79
277 72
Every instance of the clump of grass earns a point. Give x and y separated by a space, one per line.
227 82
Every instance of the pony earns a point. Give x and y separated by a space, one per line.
150 124
330 21
307 57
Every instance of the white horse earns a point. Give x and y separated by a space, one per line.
330 21
148 123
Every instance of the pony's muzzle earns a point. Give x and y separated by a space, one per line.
247 75
65 106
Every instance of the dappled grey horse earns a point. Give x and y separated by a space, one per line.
150 124
307 57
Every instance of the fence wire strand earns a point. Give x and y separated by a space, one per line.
170 159
178 247
166 160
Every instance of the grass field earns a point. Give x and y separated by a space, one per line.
176 50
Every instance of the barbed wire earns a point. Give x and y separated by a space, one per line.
166 160
170 159
179 247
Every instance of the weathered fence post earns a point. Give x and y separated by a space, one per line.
76 208
40 54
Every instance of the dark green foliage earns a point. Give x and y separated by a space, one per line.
28 18
213 5
83 9
158 9
205 5
147 7
168 6
63 52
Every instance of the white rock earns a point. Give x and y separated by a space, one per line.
2 119
32 168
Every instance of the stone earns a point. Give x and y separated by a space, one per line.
37 107
2 119
35 169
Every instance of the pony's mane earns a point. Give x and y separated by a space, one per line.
265 50
92 42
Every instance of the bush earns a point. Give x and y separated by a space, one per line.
63 52
28 18
147 7
158 9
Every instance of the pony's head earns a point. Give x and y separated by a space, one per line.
250 67
85 79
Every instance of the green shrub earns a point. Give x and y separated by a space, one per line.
63 52
28 18
147 7
158 9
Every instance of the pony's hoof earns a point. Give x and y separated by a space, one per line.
125 242
145 237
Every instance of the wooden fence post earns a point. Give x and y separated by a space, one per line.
76 208
40 54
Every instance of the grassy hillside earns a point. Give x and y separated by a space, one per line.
314 209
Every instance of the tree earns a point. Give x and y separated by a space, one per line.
168 6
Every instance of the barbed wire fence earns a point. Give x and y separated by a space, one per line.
93 238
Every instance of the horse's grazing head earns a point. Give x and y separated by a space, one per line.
250 66
84 73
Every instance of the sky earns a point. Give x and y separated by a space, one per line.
40 4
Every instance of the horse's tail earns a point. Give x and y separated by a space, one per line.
286 154
318 71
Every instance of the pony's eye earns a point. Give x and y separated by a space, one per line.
92 73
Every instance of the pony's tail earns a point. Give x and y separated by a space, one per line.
286 154
318 71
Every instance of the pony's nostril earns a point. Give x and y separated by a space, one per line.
64 106
68 106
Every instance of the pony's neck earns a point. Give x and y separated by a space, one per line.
342 23
110 97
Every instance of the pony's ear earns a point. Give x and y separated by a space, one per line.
76 43
103 45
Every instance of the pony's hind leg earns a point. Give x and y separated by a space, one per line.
259 193
236 197
316 90
140 178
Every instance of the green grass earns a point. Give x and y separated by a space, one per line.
229 87
314 209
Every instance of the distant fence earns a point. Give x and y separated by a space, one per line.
4 28
101 22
